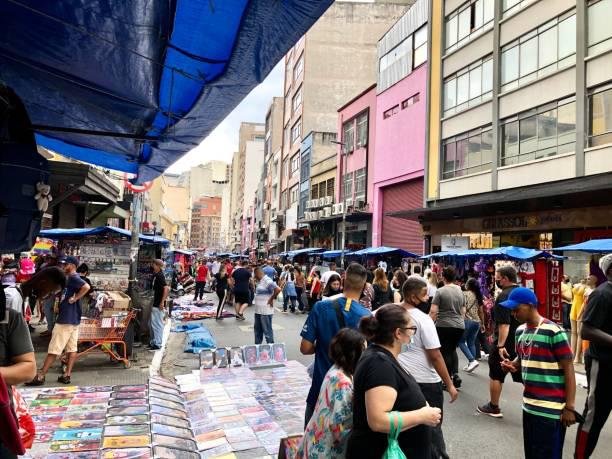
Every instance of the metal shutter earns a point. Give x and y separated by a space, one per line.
399 232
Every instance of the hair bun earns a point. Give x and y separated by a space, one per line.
368 325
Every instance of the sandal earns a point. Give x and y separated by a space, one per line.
37 381
63 379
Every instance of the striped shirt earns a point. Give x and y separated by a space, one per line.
540 350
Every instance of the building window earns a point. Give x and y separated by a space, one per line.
403 51
467 21
360 184
392 111
545 131
298 68
362 130
600 118
419 53
410 101
297 100
469 86
468 153
296 131
540 52
286 135
331 183
283 200
295 164
294 194
511 6
286 168
600 31
348 136
348 186
314 191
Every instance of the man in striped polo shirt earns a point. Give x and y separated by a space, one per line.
544 358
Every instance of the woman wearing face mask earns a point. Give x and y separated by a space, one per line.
399 277
474 318
333 286
382 386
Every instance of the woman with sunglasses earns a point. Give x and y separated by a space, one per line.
383 388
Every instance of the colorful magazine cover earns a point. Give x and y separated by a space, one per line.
126 453
135 441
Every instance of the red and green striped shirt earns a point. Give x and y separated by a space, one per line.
541 351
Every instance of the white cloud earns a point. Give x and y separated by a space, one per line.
223 141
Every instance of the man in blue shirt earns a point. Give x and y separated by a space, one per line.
66 330
325 320
269 270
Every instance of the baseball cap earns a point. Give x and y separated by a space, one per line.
70 260
605 262
520 295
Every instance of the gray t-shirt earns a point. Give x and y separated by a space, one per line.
415 360
450 300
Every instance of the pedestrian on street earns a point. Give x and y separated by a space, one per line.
597 328
289 289
327 274
222 289
66 330
423 359
269 270
383 391
397 282
504 339
545 359
447 311
383 293
566 297
474 320
324 321
266 292
333 288
327 432
315 289
575 312
300 286
241 286
158 308
201 279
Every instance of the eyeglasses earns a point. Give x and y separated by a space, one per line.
413 329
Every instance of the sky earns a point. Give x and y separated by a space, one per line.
223 141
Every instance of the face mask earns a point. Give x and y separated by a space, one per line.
499 285
405 347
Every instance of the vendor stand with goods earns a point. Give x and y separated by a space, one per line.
106 251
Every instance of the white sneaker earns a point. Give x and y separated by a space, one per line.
472 366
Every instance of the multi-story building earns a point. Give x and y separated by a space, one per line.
271 173
169 209
400 119
519 140
246 173
330 64
206 223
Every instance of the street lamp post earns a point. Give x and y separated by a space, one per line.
343 191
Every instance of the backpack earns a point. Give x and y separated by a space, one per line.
22 169
381 297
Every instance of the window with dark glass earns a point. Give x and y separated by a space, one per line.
467 21
545 131
296 131
360 183
348 135
469 86
600 117
467 153
362 130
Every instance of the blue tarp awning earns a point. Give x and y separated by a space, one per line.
510 252
331 254
75 233
305 251
371 251
592 246
134 85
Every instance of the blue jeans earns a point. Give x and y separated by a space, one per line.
157 326
468 340
542 437
263 327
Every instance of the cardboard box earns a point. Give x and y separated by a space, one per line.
120 301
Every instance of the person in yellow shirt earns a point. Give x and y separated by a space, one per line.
566 296
577 304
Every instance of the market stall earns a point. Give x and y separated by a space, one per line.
389 258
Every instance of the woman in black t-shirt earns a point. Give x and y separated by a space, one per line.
221 286
381 385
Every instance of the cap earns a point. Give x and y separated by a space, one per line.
71 260
605 263
518 296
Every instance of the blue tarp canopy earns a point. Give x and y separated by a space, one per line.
331 254
372 251
76 233
510 252
306 251
592 246
133 85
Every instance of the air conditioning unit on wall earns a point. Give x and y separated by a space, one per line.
329 200
328 211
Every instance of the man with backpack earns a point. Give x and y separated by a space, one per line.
325 320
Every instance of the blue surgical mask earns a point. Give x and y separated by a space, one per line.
405 347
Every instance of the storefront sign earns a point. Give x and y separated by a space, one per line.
455 243
521 222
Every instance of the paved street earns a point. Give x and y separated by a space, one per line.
467 433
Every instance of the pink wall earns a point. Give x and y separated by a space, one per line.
359 157
400 141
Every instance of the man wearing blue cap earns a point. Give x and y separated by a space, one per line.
66 330
545 360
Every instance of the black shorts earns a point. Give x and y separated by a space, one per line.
242 297
495 369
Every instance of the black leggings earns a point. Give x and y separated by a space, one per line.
221 296
449 340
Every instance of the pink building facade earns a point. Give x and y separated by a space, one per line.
355 166
397 179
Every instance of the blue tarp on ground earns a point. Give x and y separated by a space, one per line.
68 233
197 338
592 246
170 70
382 250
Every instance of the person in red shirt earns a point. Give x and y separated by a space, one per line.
229 267
201 279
